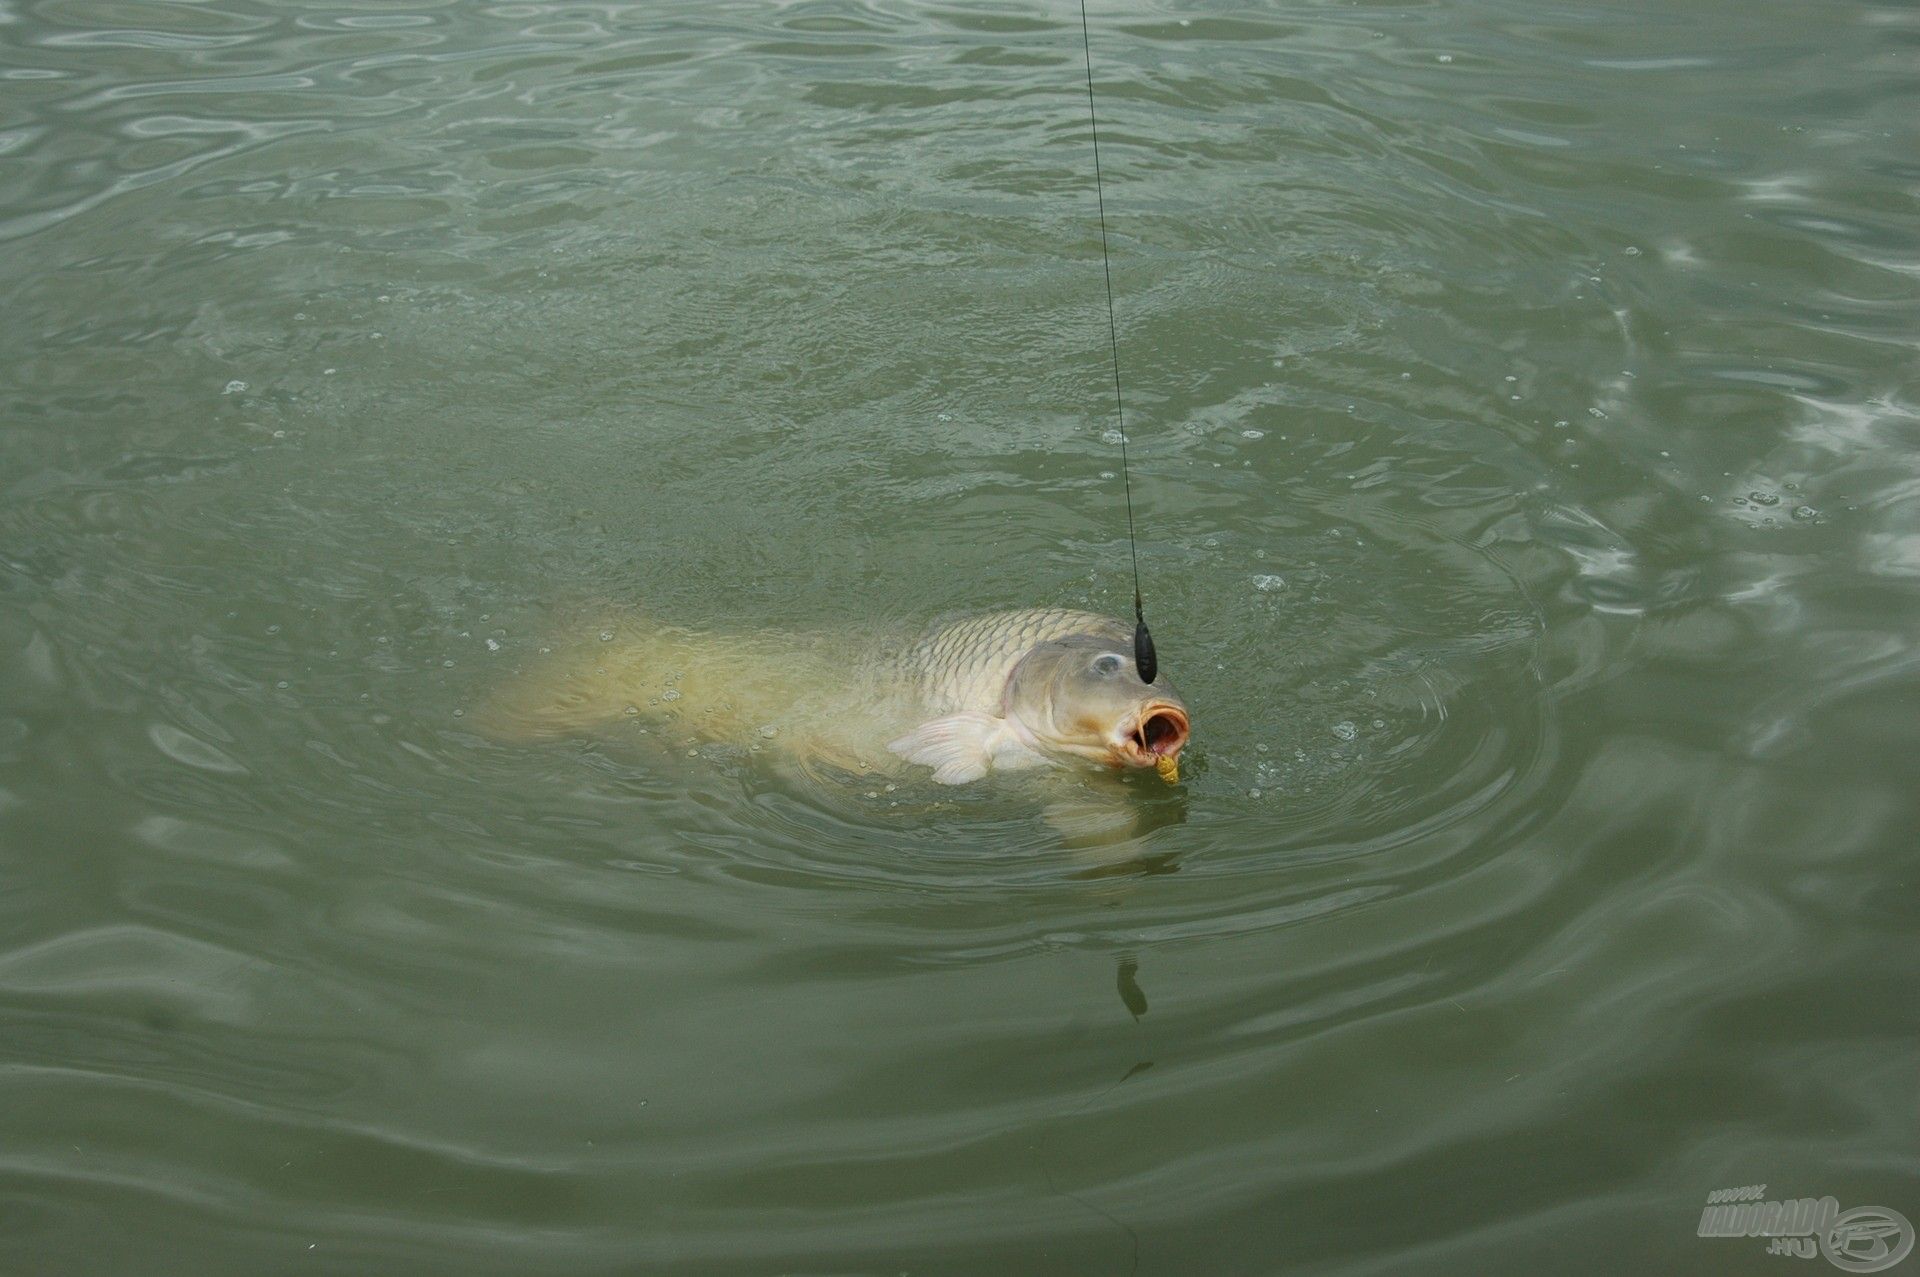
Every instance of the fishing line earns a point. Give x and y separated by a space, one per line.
1143 655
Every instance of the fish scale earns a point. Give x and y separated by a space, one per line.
964 666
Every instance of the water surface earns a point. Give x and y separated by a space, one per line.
1525 422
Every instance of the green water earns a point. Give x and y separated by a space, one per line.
1525 422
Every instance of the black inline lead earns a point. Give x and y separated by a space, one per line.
1143 655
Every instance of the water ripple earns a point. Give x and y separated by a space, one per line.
1521 414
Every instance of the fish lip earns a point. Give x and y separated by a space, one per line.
1160 730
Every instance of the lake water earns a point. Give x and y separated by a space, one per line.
1525 427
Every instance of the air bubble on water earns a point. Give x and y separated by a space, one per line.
234 387
283 685
1111 436
946 416
1253 793
1253 434
1596 414
1445 57
1268 584
606 636
328 372
1706 499
769 731
1345 730
493 645
632 711
1212 543
279 434
1764 498
1379 723
1805 513
671 694
1511 378
1108 474
1631 251
448 663
273 629
1261 748
459 713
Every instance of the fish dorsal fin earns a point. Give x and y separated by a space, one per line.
962 748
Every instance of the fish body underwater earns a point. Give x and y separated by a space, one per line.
994 692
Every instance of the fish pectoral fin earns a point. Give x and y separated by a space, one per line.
963 747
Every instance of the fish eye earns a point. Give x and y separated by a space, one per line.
1108 663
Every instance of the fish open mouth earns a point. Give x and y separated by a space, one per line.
1161 733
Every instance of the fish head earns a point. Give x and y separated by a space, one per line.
1083 696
